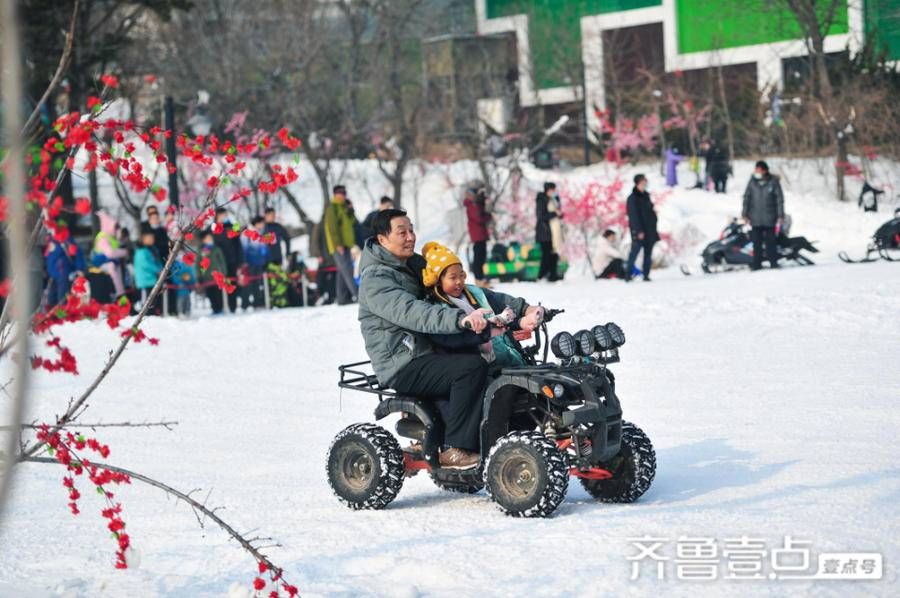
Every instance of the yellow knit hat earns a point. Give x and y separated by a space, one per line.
439 258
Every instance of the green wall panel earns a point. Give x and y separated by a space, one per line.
554 31
883 21
704 26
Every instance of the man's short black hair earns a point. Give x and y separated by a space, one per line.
221 211
609 233
762 165
270 210
382 223
207 232
339 189
385 200
548 185
256 220
638 178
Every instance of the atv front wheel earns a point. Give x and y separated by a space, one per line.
633 469
526 475
365 467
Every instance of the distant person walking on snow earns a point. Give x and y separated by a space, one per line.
339 238
764 212
642 222
478 218
548 231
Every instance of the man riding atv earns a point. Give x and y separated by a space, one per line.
396 320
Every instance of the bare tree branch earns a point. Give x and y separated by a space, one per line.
246 543
168 425
60 70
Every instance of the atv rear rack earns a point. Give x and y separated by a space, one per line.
363 379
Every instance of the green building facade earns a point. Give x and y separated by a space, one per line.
555 37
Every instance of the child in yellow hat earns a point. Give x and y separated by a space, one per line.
445 279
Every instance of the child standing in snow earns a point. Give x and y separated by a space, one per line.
147 266
106 253
184 279
446 281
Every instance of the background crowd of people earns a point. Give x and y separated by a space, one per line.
267 273
117 266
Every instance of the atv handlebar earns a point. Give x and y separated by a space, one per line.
549 314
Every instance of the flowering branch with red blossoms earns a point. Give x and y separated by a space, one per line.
74 133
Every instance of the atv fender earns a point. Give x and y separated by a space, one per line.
425 412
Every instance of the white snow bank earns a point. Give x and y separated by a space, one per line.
771 399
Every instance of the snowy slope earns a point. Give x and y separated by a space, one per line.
771 400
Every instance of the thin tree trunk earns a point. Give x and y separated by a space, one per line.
729 131
14 189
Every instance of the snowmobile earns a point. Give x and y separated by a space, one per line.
734 249
885 243
566 421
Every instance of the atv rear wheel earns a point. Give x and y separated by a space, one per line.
633 469
365 467
526 475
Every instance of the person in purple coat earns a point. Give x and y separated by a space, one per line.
672 160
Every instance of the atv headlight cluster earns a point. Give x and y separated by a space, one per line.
563 345
600 338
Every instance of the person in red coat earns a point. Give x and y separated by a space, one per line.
478 218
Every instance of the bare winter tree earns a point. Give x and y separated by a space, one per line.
816 19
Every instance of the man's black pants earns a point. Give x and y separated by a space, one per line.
231 273
636 246
760 235
455 380
479 257
549 261
214 294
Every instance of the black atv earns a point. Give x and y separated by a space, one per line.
565 420
885 243
734 249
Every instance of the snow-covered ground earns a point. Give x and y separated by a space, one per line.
771 399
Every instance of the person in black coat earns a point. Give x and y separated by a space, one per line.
717 165
543 233
642 222
231 249
281 236
764 212
160 235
